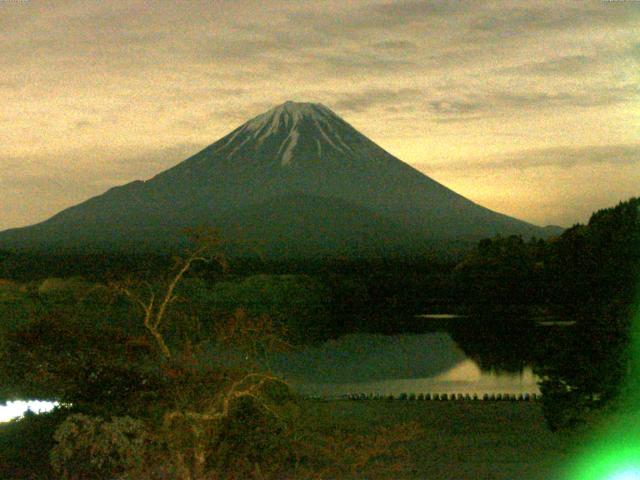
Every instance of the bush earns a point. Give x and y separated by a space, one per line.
92 448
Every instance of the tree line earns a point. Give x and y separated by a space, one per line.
588 275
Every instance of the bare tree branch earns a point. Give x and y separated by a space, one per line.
154 312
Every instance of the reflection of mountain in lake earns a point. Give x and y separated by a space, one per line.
368 357
424 363
497 343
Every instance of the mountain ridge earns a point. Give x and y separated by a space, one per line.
295 148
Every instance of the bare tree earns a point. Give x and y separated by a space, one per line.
198 421
154 304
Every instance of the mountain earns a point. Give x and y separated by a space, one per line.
297 179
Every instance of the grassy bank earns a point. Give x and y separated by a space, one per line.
461 440
458 440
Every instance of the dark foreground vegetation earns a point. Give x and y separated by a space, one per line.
163 373
437 441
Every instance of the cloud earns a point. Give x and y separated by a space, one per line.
241 113
472 106
9 85
567 65
589 98
395 45
459 119
82 124
457 23
567 157
560 157
454 107
358 102
216 48
593 60
354 62
71 169
41 182
417 8
404 12
513 19
203 90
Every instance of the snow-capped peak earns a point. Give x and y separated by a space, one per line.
290 114
288 119
303 108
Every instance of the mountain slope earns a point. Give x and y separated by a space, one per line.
295 160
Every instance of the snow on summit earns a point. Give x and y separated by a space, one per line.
288 118
289 114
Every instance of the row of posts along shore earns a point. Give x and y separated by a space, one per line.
487 397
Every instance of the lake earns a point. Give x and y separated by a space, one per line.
15 409
425 363
456 354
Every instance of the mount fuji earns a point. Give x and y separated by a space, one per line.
296 180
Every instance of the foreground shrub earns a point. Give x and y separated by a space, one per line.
90 447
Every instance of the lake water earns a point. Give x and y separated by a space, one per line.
426 363
15 409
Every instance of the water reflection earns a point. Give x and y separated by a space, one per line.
371 357
11 410
417 363
497 344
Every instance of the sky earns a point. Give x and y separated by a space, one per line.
530 108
